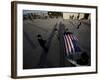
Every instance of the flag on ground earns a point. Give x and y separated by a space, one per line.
71 43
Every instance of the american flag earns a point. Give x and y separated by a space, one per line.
71 44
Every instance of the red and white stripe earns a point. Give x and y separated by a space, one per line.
66 45
69 47
72 46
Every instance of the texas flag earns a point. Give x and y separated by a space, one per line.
71 43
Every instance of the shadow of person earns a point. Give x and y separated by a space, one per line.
79 25
42 42
45 44
84 59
